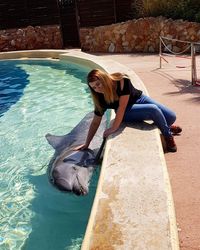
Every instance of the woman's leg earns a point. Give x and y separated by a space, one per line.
148 109
169 115
141 112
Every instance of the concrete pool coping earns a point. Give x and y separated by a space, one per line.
133 207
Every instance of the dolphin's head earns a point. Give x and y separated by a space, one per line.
72 171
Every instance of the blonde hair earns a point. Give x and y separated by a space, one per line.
108 82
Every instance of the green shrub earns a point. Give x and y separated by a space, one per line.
176 9
197 17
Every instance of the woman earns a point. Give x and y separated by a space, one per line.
115 91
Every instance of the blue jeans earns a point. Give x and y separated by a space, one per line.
146 108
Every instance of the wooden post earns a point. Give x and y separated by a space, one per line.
77 21
114 8
59 6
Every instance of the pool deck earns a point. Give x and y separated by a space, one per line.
133 206
172 86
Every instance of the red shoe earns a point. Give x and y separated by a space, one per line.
170 143
175 129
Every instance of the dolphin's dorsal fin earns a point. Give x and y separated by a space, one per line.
54 141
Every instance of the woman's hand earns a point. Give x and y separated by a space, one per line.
81 147
108 132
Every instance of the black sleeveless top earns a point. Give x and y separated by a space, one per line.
128 89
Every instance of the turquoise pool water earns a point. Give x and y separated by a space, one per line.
39 97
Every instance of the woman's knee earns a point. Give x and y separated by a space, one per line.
171 118
154 111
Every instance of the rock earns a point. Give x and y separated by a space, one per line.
111 48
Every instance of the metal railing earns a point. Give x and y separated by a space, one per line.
191 47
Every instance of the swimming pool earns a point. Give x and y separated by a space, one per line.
39 97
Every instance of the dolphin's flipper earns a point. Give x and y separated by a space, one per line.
78 134
54 141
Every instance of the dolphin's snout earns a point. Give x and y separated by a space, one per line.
63 185
79 188
80 191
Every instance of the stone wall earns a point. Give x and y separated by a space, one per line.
141 35
38 37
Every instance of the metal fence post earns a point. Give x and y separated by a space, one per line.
160 52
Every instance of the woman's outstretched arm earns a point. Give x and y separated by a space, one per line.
123 101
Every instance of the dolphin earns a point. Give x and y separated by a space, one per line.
71 170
